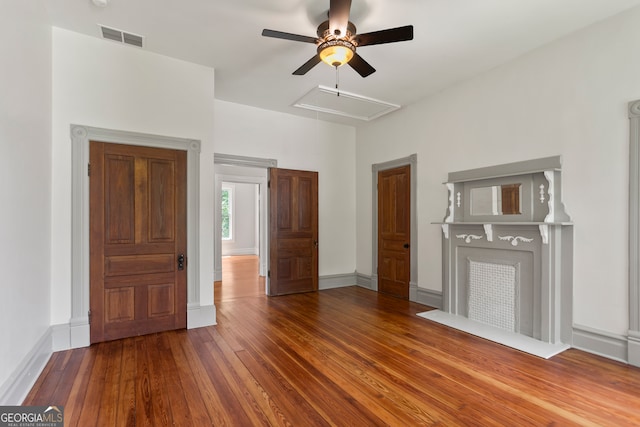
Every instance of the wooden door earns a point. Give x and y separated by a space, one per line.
138 234
394 231
293 231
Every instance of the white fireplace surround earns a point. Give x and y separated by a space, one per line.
508 277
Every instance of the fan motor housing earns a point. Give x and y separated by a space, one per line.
324 33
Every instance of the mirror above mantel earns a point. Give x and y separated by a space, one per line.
495 200
527 191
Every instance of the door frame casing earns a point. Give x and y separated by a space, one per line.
633 333
197 315
411 160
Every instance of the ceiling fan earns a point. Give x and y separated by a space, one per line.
337 40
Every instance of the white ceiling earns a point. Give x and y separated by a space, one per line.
453 40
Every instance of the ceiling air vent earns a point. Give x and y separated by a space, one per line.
121 36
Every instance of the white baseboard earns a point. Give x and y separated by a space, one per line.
633 348
240 251
65 337
75 334
364 281
199 316
599 342
336 281
17 386
417 294
429 297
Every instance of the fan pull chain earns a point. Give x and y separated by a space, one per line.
337 81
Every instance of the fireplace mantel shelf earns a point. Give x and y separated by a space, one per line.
501 223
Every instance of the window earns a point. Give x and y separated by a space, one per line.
227 212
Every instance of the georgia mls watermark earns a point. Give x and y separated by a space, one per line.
31 416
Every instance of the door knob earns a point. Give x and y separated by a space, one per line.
406 246
181 262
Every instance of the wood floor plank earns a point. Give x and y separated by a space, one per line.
211 395
94 390
74 404
186 375
345 356
108 408
126 403
240 404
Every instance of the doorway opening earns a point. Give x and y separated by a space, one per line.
242 232
241 225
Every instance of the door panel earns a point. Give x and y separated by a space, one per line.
119 199
138 229
394 231
293 235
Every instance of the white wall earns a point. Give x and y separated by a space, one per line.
568 98
104 84
25 177
244 238
301 143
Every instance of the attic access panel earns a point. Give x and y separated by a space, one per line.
333 101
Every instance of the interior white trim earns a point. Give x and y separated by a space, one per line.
633 336
600 342
331 281
17 386
80 137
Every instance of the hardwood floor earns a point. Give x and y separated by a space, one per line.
240 279
344 357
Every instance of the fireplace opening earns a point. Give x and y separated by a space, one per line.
493 294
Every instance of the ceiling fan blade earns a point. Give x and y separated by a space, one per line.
390 35
307 66
288 36
361 66
339 16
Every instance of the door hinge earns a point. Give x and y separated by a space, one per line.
269 274
89 315
269 184
88 169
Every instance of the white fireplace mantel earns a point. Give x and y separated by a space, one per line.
509 218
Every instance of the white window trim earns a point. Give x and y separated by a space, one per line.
231 188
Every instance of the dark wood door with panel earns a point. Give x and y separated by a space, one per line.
138 240
293 231
394 231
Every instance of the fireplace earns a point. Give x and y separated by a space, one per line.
507 274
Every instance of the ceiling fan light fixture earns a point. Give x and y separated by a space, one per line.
336 52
